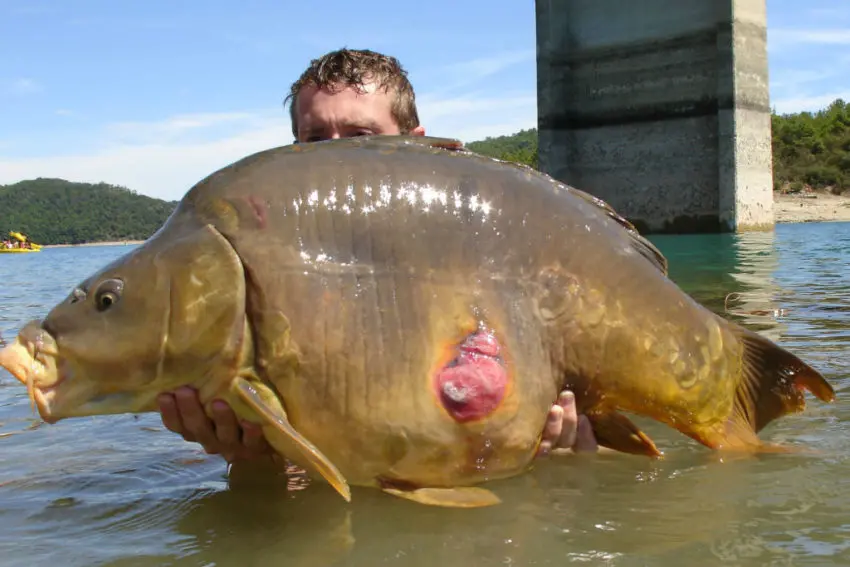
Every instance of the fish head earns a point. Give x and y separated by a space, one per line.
167 314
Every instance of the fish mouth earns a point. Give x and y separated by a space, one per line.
33 359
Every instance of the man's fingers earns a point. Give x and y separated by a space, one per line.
543 449
226 426
554 424
253 438
551 431
585 439
569 421
171 416
195 421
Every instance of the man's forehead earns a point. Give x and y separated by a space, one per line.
366 87
313 100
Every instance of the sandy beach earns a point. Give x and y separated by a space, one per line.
811 207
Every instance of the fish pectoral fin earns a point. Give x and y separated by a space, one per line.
616 431
285 439
773 385
460 497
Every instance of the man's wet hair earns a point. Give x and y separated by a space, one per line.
356 68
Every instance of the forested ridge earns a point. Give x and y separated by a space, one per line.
810 150
56 211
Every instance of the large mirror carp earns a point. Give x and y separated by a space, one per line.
400 313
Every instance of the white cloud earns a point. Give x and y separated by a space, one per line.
808 103
786 36
464 73
830 13
68 113
165 158
22 86
180 126
795 78
164 170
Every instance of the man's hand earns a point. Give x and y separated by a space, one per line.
224 435
565 429
183 413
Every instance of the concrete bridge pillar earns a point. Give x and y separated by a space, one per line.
660 107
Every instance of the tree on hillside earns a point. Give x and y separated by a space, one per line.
519 148
812 148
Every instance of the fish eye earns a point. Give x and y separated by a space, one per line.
108 293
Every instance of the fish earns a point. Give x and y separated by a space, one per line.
399 312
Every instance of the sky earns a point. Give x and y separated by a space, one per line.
156 95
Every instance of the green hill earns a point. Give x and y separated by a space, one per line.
55 211
520 147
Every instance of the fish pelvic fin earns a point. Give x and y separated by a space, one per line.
616 431
459 497
773 385
285 439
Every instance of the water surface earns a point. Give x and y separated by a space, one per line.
123 491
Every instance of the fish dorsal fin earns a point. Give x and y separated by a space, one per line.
392 143
426 141
646 248
444 143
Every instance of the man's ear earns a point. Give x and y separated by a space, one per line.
418 131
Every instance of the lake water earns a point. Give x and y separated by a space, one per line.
122 491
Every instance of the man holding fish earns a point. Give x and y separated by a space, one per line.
345 93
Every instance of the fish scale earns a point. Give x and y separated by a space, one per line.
335 282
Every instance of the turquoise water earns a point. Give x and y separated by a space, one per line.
123 491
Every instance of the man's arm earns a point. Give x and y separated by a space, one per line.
224 435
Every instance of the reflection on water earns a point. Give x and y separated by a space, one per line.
121 491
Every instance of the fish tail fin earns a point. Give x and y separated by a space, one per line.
773 385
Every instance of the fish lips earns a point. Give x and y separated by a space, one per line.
33 359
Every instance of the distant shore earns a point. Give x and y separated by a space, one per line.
107 243
811 207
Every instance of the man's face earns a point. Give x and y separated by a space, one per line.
345 113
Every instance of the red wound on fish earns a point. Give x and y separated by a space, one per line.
472 385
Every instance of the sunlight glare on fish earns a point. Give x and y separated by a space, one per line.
430 195
407 192
330 201
313 198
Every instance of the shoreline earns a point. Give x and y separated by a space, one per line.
811 206
105 243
